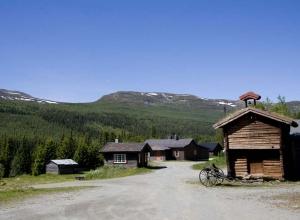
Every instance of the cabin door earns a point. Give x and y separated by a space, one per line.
256 167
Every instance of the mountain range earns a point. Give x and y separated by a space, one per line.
145 98
142 114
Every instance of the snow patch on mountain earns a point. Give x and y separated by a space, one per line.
151 94
20 96
227 103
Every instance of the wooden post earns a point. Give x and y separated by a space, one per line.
226 148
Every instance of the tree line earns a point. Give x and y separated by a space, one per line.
280 107
27 155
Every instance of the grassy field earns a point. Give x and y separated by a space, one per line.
21 187
108 172
29 180
218 161
25 192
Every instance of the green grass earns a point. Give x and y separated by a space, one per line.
108 172
218 161
25 192
29 180
20 187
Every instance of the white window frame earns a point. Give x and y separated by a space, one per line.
120 158
176 153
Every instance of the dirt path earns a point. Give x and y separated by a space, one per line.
163 194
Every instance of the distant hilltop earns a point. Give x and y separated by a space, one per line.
146 99
21 96
153 98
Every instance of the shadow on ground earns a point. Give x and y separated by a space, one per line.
156 167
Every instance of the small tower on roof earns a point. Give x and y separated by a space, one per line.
250 96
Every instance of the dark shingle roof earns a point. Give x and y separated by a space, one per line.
210 146
157 147
295 131
244 111
123 147
168 143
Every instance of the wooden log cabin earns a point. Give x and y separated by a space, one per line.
126 154
257 143
177 149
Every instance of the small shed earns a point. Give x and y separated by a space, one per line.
213 148
126 154
257 142
179 149
65 166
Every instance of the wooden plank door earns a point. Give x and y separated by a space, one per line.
256 167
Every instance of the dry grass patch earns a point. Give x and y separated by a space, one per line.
290 200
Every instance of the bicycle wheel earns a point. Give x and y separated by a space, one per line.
207 177
220 176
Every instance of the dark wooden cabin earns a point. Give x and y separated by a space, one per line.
257 143
65 166
160 153
214 149
126 154
178 149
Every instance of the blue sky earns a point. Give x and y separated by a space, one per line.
77 51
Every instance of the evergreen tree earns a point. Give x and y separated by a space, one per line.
153 132
66 148
87 155
50 150
21 159
16 165
81 155
39 162
27 148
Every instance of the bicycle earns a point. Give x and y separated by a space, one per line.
211 176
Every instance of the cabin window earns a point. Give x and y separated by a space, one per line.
119 158
195 152
176 153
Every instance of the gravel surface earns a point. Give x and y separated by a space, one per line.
170 193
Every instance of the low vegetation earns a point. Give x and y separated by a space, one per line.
21 187
29 180
25 192
107 172
219 161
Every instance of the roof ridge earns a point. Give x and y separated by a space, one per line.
241 112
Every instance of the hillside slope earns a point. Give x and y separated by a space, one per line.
127 114
139 114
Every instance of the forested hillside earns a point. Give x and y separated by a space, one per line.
33 131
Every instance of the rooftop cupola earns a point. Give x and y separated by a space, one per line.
247 97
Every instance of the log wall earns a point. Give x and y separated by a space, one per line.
241 166
264 163
252 132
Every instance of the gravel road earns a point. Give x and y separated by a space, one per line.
170 193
